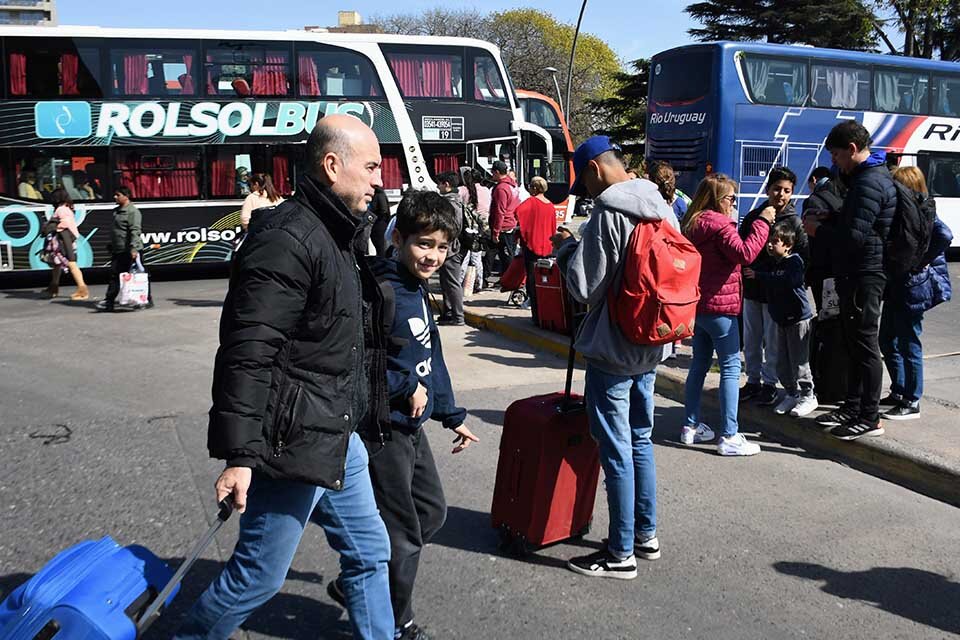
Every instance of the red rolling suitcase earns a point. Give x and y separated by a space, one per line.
547 473
554 306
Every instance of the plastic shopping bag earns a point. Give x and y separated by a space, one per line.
134 286
829 300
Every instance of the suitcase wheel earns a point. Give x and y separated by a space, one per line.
518 297
516 546
584 530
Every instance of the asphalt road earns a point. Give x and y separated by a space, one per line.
103 427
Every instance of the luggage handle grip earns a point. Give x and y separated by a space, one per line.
224 511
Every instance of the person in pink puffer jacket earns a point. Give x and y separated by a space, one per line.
711 226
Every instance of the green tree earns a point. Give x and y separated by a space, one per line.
930 28
623 115
841 24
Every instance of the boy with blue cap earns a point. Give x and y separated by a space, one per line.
620 374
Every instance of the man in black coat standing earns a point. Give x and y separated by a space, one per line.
291 390
856 247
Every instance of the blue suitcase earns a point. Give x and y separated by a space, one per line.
97 590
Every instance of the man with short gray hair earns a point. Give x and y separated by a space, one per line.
291 391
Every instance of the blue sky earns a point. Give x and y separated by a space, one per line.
640 33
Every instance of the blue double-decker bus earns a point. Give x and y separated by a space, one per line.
742 109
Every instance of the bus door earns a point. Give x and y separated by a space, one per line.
555 171
942 170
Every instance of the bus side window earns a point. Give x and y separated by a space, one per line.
52 68
336 73
245 69
153 71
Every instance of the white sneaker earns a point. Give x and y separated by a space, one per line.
807 405
700 433
737 445
786 405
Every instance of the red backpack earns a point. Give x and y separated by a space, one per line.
657 300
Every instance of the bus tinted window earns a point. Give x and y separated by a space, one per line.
488 85
946 96
428 75
247 69
900 91
776 80
152 71
681 78
230 169
81 171
337 73
943 175
158 173
51 68
843 87
540 113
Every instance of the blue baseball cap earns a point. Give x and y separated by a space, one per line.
587 151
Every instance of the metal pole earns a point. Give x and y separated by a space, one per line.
556 85
573 50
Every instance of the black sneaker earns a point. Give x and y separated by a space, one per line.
648 549
603 564
749 391
413 632
891 400
903 411
103 305
767 396
450 322
837 417
856 429
335 591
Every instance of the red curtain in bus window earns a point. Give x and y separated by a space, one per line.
211 85
407 71
270 79
222 178
309 80
135 74
437 76
69 72
3 180
281 174
443 163
390 172
186 80
183 183
18 74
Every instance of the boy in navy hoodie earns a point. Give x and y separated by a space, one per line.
790 309
405 480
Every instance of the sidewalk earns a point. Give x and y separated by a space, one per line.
923 455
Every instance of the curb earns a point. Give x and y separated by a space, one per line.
876 456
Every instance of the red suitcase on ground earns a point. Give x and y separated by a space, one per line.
552 300
547 473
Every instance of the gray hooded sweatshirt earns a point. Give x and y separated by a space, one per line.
593 265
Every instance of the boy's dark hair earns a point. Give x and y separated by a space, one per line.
784 232
782 173
820 173
846 132
425 212
124 190
450 177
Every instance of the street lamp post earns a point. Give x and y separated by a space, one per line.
553 72
573 50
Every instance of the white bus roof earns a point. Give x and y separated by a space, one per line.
297 35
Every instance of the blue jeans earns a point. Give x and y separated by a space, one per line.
270 530
620 411
720 333
902 352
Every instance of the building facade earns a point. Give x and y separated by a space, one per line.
28 12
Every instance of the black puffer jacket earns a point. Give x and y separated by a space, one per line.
754 289
290 380
856 242
826 200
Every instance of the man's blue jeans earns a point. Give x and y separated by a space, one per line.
902 352
620 411
270 530
715 332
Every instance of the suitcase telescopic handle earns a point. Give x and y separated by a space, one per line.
224 510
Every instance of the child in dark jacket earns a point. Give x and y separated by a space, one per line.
405 481
790 309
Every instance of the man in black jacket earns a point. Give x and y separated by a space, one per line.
291 390
856 248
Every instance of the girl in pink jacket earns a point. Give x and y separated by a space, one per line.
711 225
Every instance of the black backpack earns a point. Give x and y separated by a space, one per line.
910 233
473 229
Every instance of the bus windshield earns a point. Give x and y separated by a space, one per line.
680 79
